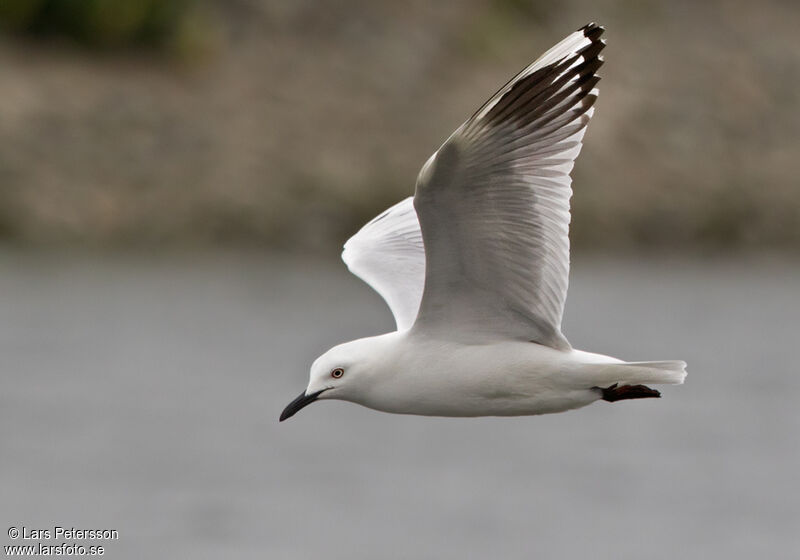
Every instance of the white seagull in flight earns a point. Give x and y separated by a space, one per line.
475 267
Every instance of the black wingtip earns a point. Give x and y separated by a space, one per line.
592 30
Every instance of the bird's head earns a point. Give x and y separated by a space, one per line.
340 373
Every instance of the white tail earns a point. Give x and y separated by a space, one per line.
671 372
635 373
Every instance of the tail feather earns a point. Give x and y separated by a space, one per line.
640 373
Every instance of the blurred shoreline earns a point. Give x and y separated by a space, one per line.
287 126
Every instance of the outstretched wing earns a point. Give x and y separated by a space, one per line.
388 254
493 203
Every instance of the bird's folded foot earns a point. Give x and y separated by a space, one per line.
618 392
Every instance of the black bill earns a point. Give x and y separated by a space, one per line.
300 402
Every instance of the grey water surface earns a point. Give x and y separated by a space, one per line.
142 394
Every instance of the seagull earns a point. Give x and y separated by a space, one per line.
475 266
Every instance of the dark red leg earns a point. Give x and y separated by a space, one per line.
621 392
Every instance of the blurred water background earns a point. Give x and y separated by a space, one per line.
177 178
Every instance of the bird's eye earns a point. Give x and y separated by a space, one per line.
337 373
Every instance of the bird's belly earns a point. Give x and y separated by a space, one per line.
487 404
485 381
